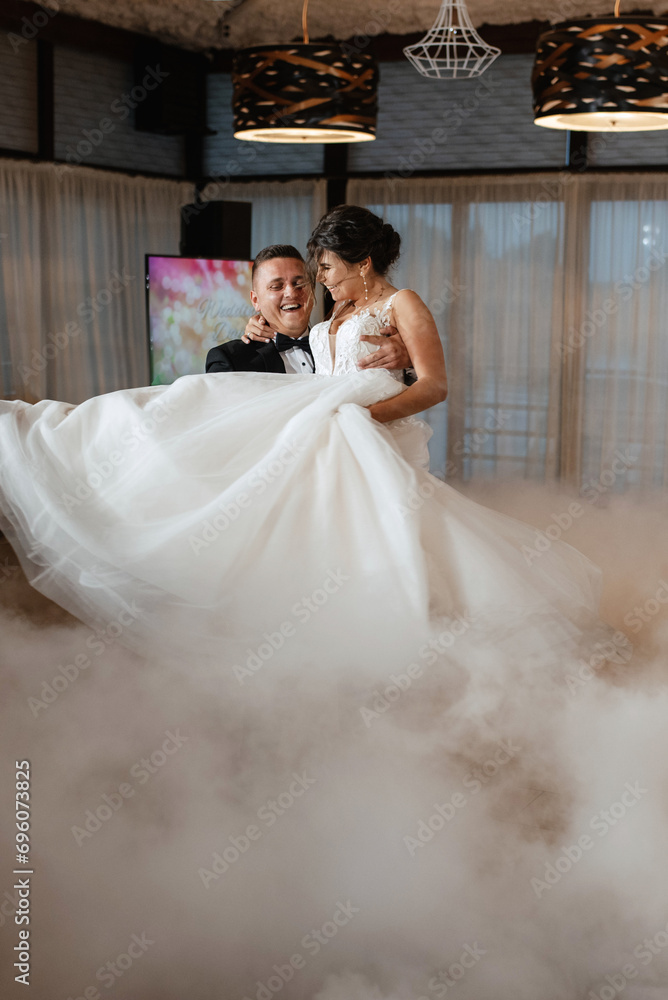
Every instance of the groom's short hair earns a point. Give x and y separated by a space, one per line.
273 253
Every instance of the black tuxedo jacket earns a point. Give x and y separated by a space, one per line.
235 356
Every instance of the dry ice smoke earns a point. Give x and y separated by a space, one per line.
490 832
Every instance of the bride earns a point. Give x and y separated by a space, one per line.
352 251
242 516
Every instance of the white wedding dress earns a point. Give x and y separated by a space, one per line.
204 515
310 604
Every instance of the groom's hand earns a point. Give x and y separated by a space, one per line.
392 352
257 328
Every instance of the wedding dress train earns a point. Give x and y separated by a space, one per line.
200 515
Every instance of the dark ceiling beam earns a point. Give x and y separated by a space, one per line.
64 29
512 39
26 19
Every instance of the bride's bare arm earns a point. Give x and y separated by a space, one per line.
417 327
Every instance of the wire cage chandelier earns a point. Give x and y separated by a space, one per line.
452 48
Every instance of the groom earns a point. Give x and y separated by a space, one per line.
283 295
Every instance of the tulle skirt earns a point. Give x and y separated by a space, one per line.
206 515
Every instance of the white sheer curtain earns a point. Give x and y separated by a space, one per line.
72 305
550 298
623 374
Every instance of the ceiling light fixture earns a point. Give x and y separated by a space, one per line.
452 49
604 74
304 93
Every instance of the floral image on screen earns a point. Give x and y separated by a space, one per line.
194 304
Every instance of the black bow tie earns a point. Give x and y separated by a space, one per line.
284 343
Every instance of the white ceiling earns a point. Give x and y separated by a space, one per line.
204 24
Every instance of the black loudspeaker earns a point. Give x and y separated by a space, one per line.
220 230
169 96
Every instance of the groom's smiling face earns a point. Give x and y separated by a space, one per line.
283 294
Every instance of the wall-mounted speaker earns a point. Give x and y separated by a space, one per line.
170 90
217 229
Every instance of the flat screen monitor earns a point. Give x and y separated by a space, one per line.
193 304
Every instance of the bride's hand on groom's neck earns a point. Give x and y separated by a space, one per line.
257 328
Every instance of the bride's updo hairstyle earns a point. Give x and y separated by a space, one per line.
353 234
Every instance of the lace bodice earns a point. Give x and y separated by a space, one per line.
349 347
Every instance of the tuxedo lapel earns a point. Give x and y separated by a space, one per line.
271 358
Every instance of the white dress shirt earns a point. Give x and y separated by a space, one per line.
297 361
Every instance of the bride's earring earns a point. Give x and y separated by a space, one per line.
366 288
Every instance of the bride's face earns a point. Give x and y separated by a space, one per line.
342 280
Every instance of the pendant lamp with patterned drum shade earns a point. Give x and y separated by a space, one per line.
305 92
604 74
